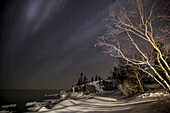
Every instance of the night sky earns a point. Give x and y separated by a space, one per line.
46 44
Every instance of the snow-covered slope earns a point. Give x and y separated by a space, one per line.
101 102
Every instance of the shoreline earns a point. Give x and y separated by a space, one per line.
106 102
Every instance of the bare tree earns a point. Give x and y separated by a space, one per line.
132 31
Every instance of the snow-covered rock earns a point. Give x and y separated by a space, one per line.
63 94
35 106
98 87
31 103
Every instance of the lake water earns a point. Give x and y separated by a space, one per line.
21 97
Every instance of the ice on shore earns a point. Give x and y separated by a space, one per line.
5 111
35 106
52 95
8 106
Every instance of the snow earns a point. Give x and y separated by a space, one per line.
97 86
151 95
52 95
79 95
5 111
39 105
103 102
36 106
46 104
104 98
31 103
78 101
10 105
63 94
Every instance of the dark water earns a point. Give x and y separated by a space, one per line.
21 97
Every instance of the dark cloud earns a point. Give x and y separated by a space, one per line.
46 44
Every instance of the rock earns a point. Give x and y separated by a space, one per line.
63 94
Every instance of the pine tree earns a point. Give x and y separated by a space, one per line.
99 78
92 79
96 78
115 73
85 80
80 80
81 77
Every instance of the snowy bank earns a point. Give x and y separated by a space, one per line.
101 102
96 87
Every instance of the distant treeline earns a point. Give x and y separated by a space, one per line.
83 79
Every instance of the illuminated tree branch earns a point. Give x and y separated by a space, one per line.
125 27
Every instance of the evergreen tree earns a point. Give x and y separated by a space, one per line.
109 78
99 78
81 77
115 73
92 79
80 80
85 80
96 78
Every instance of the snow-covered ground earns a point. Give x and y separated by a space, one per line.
106 101
38 105
100 102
